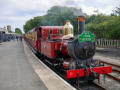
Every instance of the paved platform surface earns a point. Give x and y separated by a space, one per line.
16 73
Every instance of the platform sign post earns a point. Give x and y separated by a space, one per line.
86 36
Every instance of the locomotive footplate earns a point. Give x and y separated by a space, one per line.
82 73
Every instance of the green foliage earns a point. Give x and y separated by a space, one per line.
116 11
114 27
56 16
18 31
104 26
10 31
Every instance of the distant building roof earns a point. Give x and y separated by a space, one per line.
3 30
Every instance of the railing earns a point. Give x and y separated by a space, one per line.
108 43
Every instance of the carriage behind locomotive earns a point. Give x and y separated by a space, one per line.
73 55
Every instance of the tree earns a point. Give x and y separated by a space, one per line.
18 31
116 11
10 31
104 26
56 16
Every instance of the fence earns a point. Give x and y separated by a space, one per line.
108 43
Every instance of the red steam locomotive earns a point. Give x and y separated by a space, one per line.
74 55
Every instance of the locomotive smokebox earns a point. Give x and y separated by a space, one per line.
81 24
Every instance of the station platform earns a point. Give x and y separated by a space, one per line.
15 71
20 70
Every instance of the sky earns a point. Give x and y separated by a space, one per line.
17 12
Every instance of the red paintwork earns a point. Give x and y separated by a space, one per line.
48 43
57 46
34 43
37 44
65 50
55 31
74 73
48 48
81 72
66 65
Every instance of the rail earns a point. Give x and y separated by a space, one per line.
115 69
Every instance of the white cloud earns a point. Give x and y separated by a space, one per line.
17 12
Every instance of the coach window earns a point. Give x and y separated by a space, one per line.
50 31
61 32
40 33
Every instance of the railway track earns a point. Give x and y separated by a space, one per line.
115 65
90 86
81 86
115 69
100 86
113 77
84 86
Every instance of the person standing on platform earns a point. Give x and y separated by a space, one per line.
20 38
17 38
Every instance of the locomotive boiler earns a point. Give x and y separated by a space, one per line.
72 54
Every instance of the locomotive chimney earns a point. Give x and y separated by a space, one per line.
81 23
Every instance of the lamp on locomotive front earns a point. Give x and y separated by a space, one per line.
68 30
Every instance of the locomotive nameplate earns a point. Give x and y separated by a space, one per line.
86 36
